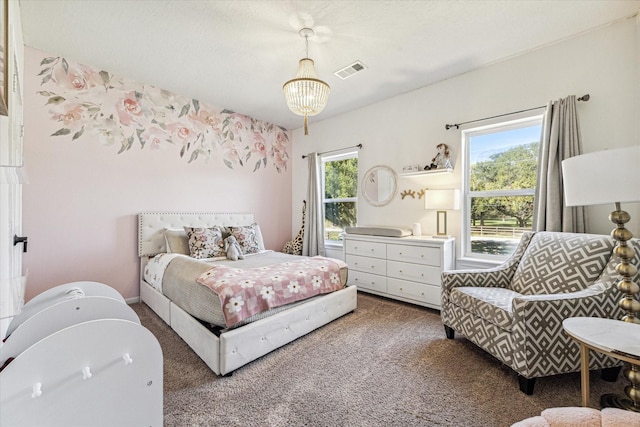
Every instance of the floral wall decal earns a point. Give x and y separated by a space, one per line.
97 105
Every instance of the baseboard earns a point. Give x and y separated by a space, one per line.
133 300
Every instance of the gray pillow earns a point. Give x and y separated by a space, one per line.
176 241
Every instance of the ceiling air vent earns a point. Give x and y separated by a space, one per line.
350 70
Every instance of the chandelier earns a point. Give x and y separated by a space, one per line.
306 95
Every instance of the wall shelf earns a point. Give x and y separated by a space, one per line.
427 172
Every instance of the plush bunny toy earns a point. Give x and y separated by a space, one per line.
232 247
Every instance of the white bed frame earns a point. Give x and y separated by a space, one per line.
236 347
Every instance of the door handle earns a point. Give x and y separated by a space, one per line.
22 240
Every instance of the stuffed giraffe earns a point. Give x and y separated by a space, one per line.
294 247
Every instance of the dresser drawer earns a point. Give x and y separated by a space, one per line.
428 294
417 254
366 264
372 249
368 281
416 272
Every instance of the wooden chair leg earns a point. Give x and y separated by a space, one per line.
526 384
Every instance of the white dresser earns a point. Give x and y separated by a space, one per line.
403 268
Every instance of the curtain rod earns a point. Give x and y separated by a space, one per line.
304 156
584 98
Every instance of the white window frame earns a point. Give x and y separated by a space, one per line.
501 126
324 159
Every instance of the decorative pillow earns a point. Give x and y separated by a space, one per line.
176 241
247 237
206 242
556 262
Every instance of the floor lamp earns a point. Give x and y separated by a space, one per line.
611 177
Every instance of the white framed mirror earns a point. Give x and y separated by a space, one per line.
379 185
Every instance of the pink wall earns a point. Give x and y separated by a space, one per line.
80 206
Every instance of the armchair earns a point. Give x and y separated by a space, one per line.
515 311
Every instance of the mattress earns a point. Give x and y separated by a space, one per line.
180 286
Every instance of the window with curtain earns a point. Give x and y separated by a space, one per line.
340 190
499 181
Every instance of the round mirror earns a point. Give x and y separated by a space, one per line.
379 185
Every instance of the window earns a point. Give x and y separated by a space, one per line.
340 189
501 163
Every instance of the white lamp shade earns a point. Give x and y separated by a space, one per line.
602 177
442 199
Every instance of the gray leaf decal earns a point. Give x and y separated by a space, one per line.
49 60
78 134
55 100
62 131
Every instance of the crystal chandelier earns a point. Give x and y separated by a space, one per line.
306 95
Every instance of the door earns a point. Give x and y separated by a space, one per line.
12 173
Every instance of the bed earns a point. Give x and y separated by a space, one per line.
225 349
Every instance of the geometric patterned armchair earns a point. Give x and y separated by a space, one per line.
515 311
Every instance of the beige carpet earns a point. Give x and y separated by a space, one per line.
386 364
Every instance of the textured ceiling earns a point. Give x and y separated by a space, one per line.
238 54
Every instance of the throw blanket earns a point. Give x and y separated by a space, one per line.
245 292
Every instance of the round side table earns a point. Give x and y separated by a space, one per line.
614 338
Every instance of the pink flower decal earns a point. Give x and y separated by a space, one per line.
204 121
154 136
77 78
71 115
112 110
129 110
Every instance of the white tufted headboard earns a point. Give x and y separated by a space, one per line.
151 226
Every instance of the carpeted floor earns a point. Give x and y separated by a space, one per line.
386 364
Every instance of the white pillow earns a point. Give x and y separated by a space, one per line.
259 237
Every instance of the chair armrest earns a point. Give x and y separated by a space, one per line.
499 276
496 277
537 330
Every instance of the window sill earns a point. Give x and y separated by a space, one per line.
475 263
334 245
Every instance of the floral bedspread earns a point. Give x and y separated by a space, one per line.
245 292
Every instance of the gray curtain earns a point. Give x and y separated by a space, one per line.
313 239
560 140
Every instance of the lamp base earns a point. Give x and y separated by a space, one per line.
617 401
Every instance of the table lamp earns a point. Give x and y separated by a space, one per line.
612 176
441 201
